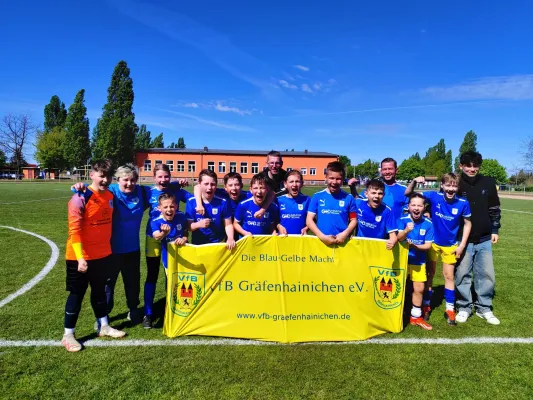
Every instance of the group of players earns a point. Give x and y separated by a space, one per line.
105 219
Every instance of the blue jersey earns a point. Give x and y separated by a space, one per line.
175 189
293 212
127 216
244 215
447 216
332 211
178 228
218 212
375 223
422 233
233 203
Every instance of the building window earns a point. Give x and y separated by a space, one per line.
211 166
232 166
148 165
255 168
312 171
221 167
170 164
192 166
303 171
180 166
244 168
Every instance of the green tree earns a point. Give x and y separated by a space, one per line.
3 158
345 160
410 168
55 114
77 144
114 133
142 138
181 143
50 153
469 144
494 169
157 142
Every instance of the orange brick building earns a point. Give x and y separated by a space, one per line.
187 163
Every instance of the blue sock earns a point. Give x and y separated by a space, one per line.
149 294
449 297
427 297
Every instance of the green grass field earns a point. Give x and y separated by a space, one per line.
347 371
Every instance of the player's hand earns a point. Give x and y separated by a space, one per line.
304 230
459 251
200 210
230 244
259 214
410 226
82 265
494 238
183 182
353 181
204 223
389 244
282 231
420 179
165 228
180 241
328 239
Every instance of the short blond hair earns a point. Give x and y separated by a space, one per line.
127 170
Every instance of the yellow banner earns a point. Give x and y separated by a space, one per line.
286 289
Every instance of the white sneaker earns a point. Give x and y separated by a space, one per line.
489 316
111 332
70 343
462 316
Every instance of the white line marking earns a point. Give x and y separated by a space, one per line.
35 201
516 211
242 342
39 277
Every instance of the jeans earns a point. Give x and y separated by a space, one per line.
476 261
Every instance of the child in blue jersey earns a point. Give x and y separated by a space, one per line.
153 247
293 206
374 219
245 224
170 227
333 209
448 211
215 225
417 230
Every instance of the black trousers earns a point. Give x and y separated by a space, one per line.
129 265
77 284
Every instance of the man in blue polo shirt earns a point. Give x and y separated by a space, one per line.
332 213
375 219
215 225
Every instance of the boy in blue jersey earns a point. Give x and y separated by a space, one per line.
448 211
333 209
417 230
375 219
215 225
293 206
245 224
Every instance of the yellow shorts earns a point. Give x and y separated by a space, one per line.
417 272
446 253
152 247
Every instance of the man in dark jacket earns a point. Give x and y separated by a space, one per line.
476 263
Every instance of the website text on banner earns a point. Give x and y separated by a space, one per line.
286 289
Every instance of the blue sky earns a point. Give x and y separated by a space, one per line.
365 79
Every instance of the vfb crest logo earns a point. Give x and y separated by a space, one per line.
188 288
388 285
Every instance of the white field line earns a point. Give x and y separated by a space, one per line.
241 342
35 201
516 211
39 277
